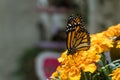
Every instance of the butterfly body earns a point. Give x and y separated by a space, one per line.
77 36
71 51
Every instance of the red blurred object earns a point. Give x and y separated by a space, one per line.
49 66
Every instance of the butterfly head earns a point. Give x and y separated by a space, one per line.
73 22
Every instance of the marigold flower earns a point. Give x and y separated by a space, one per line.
115 74
100 42
112 31
72 64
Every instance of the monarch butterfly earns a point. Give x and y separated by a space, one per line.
78 38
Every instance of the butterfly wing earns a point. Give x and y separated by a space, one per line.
81 39
77 36
70 31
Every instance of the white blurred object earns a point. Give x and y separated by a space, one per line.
107 55
49 18
42 3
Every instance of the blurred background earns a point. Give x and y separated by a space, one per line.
32 32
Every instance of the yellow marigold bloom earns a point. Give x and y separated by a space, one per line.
112 31
71 65
115 74
100 42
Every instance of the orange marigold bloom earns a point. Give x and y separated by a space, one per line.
100 42
72 64
112 31
115 74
